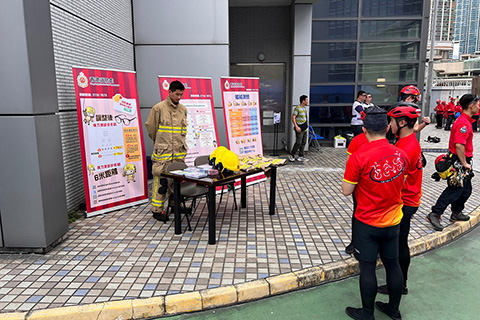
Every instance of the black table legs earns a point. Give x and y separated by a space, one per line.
176 210
244 192
273 185
211 215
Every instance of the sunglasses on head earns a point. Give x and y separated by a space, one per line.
474 100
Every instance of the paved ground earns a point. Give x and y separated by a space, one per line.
444 284
127 254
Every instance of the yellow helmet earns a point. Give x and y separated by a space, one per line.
227 161
215 154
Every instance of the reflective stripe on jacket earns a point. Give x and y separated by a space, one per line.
167 127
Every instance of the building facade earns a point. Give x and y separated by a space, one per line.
330 48
466 28
371 45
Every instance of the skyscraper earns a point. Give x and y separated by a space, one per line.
445 20
466 26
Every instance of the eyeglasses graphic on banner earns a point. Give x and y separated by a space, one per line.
121 118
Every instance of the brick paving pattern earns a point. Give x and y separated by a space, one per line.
127 254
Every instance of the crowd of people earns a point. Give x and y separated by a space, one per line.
449 112
385 180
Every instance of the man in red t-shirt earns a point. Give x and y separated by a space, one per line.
354 145
439 110
450 111
460 147
376 176
403 117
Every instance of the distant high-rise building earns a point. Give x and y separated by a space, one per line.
445 19
466 27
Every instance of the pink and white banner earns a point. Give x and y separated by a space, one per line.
111 138
202 137
241 108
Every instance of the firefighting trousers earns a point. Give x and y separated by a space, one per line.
159 184
161 187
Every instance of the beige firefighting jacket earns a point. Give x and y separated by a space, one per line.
167 127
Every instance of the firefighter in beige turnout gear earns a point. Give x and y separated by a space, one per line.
167 127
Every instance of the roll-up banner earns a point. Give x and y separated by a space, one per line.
201 136
111 139
241 108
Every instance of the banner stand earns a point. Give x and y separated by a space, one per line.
123 206
111 139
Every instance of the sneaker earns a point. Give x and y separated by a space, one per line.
384 290
160 216
302 159
458 216
434 220
358 314
349 248
383 307
291 158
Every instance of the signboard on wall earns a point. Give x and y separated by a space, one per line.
201 136
241 108
111 139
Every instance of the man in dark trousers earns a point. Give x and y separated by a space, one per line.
439 110
300 125
450 111
403 118
376 176
460 148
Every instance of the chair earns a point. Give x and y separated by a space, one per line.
188 190
313 138
201 160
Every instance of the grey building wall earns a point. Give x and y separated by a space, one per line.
180 38
32 189
267 30
89 34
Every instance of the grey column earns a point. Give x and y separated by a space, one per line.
32 188
302 52
180 38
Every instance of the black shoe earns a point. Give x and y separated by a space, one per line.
160 216
384 290
349 248
358 314
383 307
434 220
458 216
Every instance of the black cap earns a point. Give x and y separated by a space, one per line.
467 99
375 119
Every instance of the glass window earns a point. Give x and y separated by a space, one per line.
336 51
330 114
335 8
331 94
332 73
334 30
383 96
389 51
388 72
385 29
389 8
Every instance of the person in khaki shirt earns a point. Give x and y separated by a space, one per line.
167 127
